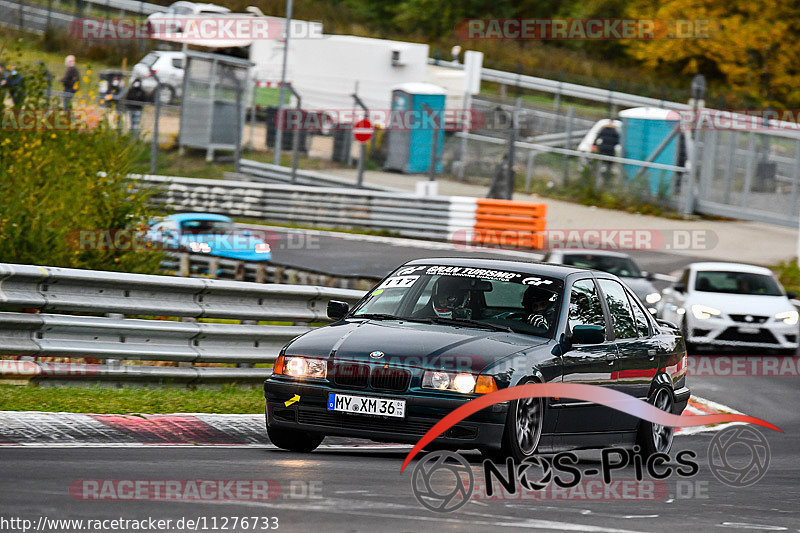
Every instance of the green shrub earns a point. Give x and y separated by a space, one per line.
57 181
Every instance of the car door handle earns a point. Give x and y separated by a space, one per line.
652 354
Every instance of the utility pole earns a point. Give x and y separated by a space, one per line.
282 91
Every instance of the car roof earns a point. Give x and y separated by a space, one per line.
730 267
167 53
528 267
182 217
589 251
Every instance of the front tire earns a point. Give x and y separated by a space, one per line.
654 438
523 430
294 440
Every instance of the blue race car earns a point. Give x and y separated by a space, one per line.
210 234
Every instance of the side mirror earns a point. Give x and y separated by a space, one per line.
649 276
337 310
791 295
587 334
679 287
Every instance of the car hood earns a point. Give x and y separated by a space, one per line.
412 344
641 287
742 304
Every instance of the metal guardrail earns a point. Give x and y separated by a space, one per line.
268 173
95 291
199 265
429 217
114 337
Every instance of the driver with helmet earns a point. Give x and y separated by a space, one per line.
539 307
450 298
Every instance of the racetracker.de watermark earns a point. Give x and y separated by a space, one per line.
586 29
589 239
760 120
193 490
390 119
743 366
187 28
46 119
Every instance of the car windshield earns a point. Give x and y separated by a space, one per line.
206 227
149 60
737 283
467 296
619 266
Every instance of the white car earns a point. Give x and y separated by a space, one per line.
168 66
185 9
731 304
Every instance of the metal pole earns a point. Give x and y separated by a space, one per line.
363 151
567 143
252 116
237 154
282 92
156 115
688 205
434 146
467 120
529 170
296 133
512 149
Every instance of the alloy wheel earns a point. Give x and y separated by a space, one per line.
529 424
662 435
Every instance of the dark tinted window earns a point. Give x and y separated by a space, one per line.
639 316
619 266
584 305
620 309
736 283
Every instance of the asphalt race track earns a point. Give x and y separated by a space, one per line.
360 488
351 486
366 255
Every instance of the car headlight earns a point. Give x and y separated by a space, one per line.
702 312
653 297
462 382
300 367
788 317
200 247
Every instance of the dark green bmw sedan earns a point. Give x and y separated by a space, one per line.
437 333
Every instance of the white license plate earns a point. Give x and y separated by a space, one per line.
366 405
745 329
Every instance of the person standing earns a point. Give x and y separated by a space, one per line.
70 81
134 100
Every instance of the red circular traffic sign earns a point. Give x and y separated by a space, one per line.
362 130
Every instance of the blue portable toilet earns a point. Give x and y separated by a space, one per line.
645 128
409 131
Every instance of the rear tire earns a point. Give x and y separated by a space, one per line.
294 440
655 438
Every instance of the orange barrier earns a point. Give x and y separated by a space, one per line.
510 223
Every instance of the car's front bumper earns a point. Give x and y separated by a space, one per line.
482 430
726 332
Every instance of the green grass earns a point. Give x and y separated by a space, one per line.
228 399
789 275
